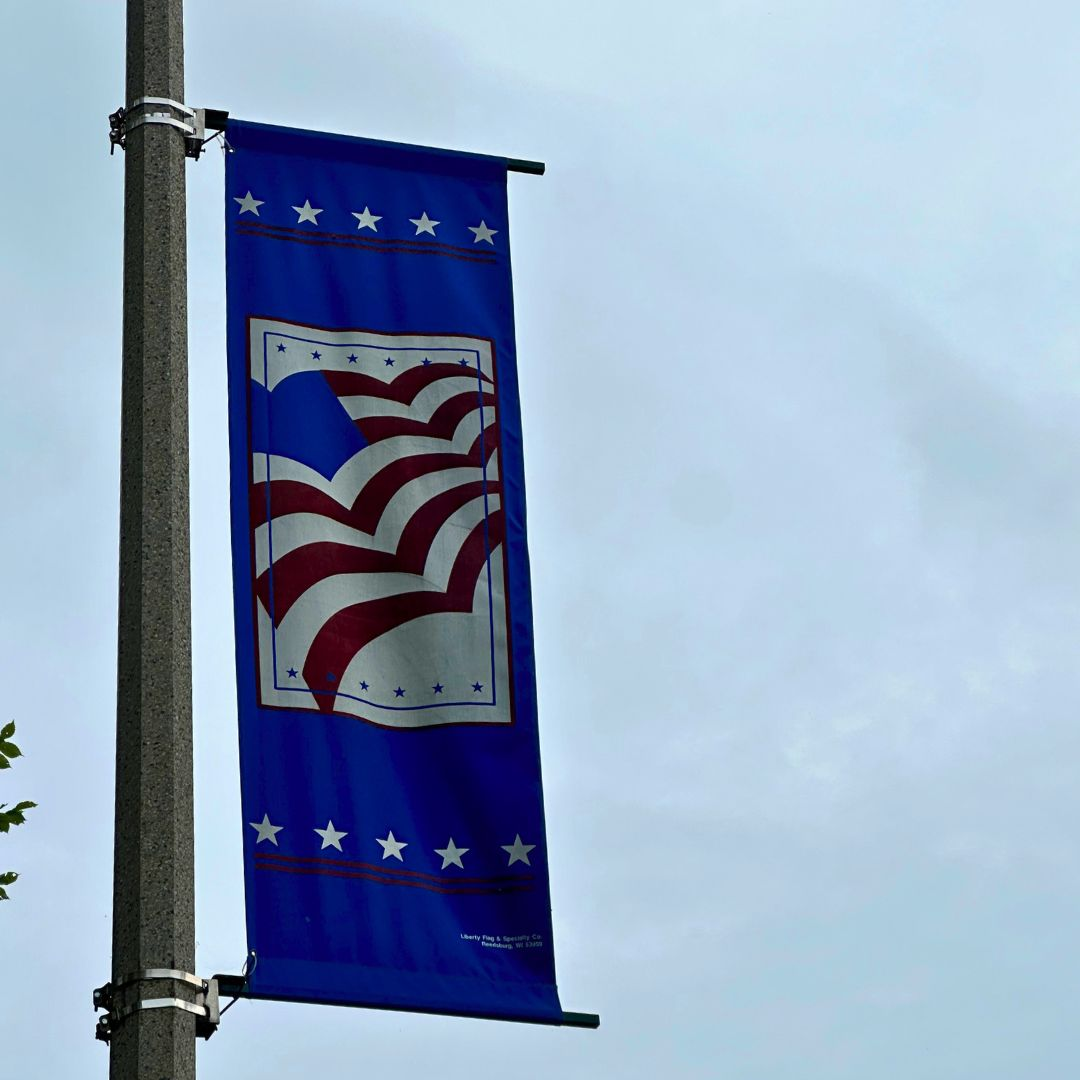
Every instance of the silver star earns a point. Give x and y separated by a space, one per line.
367 219
331 837
265 830
518 851
482 232
451 855
424 224
307 212
390 846
248 204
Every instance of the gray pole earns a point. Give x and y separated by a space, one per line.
153 883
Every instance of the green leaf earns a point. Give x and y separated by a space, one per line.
9 878
4 763
7 730
3 894
9 749
15 816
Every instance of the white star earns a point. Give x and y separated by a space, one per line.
518 851
424 224
482 232
367 219
265 830
249 204
307 213
331 837
451 855
390 846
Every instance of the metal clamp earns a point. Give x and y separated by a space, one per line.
179 106
206 1006
192 123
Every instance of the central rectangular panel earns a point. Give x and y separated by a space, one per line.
376 530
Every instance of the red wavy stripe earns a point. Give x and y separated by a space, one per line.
296 497
346 632
303 567
402 388
441 425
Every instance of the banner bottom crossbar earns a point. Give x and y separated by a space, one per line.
233 986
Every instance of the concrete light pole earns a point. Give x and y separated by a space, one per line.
153 885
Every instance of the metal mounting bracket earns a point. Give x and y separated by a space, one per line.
193 124
206 1006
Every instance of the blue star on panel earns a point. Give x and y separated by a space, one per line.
437 688
426 361
363 685
399 692
316 356
463 362
280 348
389 361
291 673
352 358
477 687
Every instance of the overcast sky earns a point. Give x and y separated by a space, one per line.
799 341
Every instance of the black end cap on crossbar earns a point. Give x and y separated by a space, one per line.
534 168
581 1020
235 986
215 119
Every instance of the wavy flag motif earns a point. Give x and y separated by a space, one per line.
395 848
377 526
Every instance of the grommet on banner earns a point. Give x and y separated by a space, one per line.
248 968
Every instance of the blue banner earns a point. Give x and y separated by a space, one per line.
394 846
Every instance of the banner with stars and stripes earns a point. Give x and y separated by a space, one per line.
394 842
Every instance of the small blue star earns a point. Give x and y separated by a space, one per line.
363 685
330 676
399 692
316 356
389 361
477 687
352 359
281 348
437 688
463 362
426 361
291 673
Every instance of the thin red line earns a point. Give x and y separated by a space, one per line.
401 249
389 881
361 237
389 870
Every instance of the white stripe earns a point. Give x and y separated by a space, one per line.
350 479
327 597
421 407
291 531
